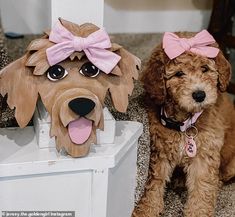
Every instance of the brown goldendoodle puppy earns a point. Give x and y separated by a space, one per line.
178 89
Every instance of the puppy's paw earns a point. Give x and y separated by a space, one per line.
227 175
194 211
148 210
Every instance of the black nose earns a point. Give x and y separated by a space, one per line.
81 106
199 95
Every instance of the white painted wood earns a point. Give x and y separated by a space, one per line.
107 135
42 130
100 182
78 11
122 176
19 147
47 192
99 185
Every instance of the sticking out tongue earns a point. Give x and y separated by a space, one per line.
80 130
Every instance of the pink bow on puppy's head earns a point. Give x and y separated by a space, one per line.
174 46
94 46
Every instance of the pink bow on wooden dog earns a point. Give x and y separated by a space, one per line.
94 46
174 46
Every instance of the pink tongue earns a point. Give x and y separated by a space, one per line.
80 130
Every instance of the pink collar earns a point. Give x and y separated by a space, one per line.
180 126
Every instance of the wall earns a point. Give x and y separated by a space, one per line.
120 16
77 11
160 4
156 15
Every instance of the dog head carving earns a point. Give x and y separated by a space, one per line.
72 90
191 80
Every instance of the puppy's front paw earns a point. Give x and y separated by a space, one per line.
198 211
148 209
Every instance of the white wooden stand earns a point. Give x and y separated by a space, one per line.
39 179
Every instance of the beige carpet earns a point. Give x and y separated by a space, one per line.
141 45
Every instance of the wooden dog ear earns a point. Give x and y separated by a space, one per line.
153 76
121 83
224 70
18 82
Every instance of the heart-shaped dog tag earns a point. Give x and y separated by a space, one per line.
191 147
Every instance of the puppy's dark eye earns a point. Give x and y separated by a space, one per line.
89 70
179 74
56 72
205 68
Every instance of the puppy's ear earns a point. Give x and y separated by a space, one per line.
18 82
224 70
153 76
121 82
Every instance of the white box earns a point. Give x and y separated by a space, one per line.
107 135
42 125
99 185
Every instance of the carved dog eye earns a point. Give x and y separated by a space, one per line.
179 74
56 72
89 70
205 68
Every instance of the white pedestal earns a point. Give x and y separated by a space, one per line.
99 185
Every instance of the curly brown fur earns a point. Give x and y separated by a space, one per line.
216 132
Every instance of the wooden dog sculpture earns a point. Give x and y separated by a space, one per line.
71 68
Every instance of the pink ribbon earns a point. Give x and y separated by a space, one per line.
94 46
174 46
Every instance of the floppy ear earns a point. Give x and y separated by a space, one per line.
224 70
18 82
121 79
153 76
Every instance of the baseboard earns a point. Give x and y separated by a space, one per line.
126 21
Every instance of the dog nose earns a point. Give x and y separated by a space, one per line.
81 106
199 96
